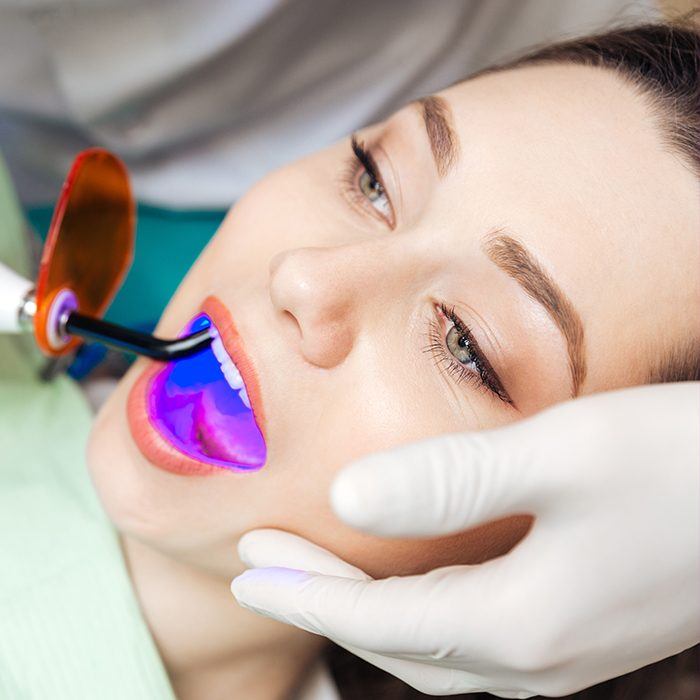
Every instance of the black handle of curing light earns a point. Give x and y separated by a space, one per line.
133 341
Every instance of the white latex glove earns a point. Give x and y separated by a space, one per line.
607 580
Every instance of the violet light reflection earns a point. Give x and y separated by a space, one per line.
192 406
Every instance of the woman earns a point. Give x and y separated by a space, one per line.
484 253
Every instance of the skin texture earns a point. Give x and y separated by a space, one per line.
334 303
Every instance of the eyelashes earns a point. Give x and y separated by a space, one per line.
478 372
363 186
365 157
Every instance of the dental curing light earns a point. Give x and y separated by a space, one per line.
87 253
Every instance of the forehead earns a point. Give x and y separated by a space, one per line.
572 160
579 132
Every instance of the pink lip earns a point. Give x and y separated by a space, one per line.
154 447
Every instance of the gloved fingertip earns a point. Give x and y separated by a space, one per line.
243 589
345 500
356 496
273 592
239 585
246 547
261 587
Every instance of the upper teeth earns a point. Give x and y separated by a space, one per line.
230 371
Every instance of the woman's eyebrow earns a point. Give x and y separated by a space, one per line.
444 141
514 259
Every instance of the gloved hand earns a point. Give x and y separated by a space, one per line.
607 580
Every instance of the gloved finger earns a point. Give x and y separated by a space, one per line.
445 484
423 677
453 482
363 613
269 547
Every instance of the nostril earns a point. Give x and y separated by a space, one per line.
290 320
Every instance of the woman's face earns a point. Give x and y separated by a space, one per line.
539 207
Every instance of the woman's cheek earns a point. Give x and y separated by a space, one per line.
402 557
379 556
382 557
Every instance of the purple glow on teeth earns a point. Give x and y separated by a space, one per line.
192 404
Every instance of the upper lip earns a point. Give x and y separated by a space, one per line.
233 344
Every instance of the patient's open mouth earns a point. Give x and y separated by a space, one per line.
200 406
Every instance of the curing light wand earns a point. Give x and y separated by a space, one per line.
62 323
134 341
88 250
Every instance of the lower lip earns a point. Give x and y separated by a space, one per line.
154 446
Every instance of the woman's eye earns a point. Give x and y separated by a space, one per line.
458 354
373 190
363 187
458 344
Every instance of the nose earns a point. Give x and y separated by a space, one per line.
322 290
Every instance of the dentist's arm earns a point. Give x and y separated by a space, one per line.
606 581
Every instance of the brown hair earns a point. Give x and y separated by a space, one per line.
661 61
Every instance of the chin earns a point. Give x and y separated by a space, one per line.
181 517
113 468
126 484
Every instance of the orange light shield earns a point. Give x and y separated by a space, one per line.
89 247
